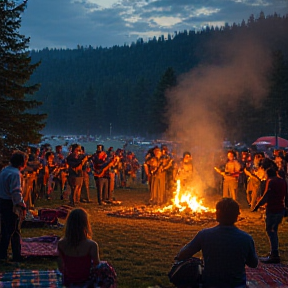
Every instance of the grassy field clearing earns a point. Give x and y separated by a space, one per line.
142 251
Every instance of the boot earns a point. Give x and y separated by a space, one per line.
272 258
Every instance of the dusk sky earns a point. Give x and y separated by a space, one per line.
68 23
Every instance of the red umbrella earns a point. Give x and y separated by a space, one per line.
271 140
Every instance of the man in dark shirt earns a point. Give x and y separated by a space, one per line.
225 248
101 175
75 161
275 198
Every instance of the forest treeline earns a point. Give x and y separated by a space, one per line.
88 90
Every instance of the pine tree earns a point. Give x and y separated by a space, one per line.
158 117
19 126
276 103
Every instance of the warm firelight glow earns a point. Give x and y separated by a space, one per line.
185 200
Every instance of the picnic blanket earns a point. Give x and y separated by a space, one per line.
267 275
44 246
30 278
46 217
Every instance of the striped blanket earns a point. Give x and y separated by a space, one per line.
30 278
104 276
264 276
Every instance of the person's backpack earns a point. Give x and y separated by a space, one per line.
187 273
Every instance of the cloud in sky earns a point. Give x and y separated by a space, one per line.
68 23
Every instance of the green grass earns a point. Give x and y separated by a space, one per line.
142 251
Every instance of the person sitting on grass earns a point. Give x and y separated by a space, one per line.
79 260
226 249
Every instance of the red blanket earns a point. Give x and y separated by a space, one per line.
267 275
45 246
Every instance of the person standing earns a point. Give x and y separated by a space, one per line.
60 161
225 248
167 169
85 189
185 171
12 206
275 198
75 161
157 178
230 175
101 167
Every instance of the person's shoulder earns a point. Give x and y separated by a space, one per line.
91 243
243 233
208 230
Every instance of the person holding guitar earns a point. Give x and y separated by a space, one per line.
230 175
75 161
101 167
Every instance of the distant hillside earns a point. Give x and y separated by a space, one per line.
85 89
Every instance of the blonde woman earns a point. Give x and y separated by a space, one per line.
78 253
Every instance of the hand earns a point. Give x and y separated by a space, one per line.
19 211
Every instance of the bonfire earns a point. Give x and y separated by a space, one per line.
185 208
185 201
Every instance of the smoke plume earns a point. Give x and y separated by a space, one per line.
195 105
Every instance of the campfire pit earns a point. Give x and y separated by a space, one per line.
152 213
185 208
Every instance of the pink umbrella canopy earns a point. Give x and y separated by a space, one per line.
271 140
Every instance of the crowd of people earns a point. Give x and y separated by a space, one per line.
74 173
162 169
263 179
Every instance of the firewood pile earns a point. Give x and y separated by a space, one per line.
174 215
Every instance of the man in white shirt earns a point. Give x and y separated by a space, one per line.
12 206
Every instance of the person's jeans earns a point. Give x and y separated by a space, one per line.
9 230
102 189
272 222
230 188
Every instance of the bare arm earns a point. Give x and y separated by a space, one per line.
264 198
94 253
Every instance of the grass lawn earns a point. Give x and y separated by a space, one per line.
142 251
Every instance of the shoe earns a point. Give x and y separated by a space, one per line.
89 201
61 197
270 259
83 201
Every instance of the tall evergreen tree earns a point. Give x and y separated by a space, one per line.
276 103
18 125
158 117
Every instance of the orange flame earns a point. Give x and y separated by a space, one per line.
185 200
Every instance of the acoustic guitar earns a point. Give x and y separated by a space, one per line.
235 174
